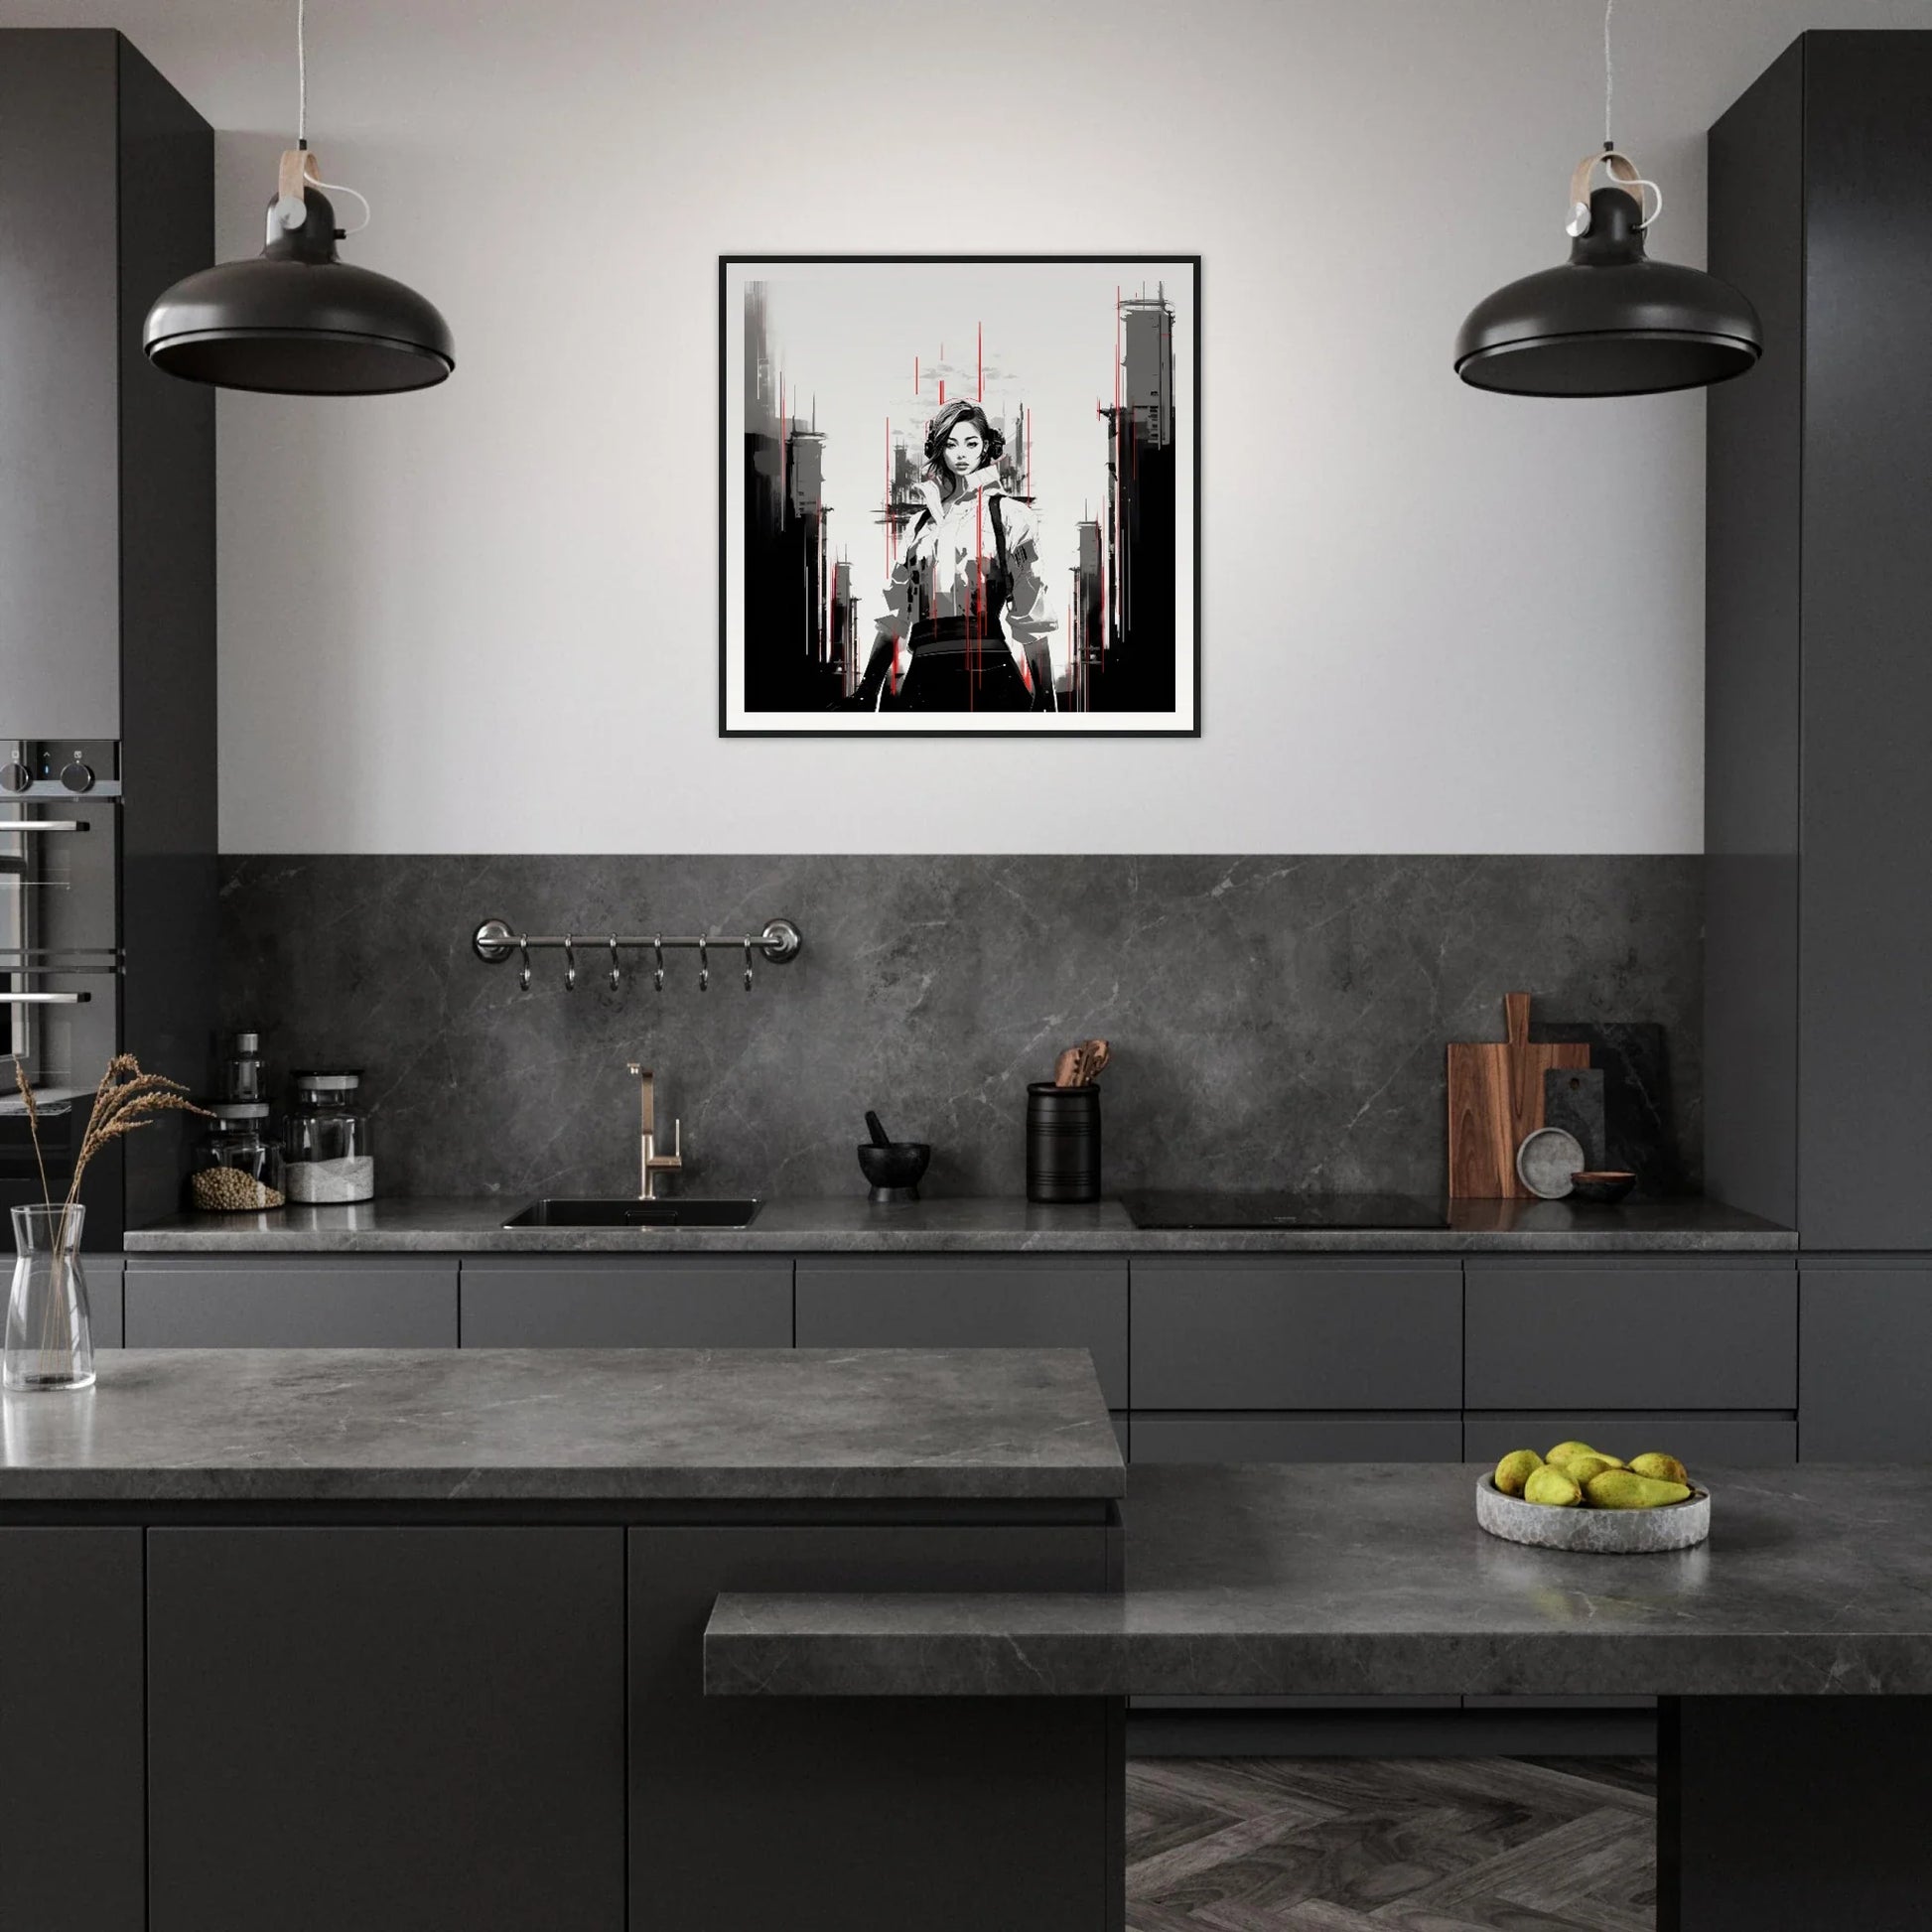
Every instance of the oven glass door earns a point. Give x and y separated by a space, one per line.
59 972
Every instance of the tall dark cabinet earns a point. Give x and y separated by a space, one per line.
1818 1022
108 697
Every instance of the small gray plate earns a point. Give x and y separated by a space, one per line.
1597 1532
1545 1161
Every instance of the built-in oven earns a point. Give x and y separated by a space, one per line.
60 949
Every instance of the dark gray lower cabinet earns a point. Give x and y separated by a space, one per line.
1297 1439
833 1814
104 1273
71 1849
1269 1333
1739 1441
616 1302
1551 1333
1867 1361
944 1302
385 1729
266 1302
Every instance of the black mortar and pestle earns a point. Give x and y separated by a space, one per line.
892 1166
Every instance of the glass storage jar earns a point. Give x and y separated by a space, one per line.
238 1165
327 1139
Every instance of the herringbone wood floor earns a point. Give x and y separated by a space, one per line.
1391 1845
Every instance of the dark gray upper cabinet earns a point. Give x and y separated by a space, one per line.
1553 1334
1260 1331
1819 680
319 1301
944 1302
615 1301
107 540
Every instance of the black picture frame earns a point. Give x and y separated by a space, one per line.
731 471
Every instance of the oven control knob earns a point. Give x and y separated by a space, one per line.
14 777
78 776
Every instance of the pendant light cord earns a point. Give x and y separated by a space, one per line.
302 70
1610 73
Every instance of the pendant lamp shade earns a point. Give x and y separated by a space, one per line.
298 319
1609 321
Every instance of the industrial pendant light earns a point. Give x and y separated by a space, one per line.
1609 321
297 319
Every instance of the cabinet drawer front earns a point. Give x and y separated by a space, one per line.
695 1304
1241 1333
946 1304
104 1273
1867 1386
1635 1336
1297 1438
1736 1442
272 1305
319 1698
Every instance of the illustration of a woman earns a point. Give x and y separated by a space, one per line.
966 623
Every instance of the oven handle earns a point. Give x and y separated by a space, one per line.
45 999
43 825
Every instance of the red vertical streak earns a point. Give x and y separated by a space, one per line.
915 375
942 392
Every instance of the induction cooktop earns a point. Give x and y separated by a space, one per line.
1157 1208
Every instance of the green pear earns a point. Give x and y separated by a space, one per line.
1550 1485
1622 1489
1515 1469
1580 1469
1564 1451
1665 1468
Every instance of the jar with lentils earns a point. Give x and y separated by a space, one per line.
238 1165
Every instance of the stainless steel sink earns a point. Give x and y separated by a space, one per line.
555 1213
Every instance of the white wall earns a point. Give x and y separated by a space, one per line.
483 619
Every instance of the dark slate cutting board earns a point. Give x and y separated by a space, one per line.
1573 1099
1635 1066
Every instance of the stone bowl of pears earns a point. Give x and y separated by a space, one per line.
1582 1498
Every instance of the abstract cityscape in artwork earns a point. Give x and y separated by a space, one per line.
986 523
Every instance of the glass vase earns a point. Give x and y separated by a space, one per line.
50 1335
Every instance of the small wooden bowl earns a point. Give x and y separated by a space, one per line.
1604 1186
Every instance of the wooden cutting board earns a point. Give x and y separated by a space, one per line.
1495 1098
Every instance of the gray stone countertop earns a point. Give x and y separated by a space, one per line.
961 1226
599 1425
1373 1578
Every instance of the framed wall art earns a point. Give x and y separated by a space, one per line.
959 495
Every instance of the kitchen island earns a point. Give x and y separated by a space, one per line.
413 1639
1793 1651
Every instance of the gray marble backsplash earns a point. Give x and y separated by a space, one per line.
1275 1022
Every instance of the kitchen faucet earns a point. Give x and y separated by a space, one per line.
651 1162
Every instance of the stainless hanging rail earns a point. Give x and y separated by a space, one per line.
496 939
